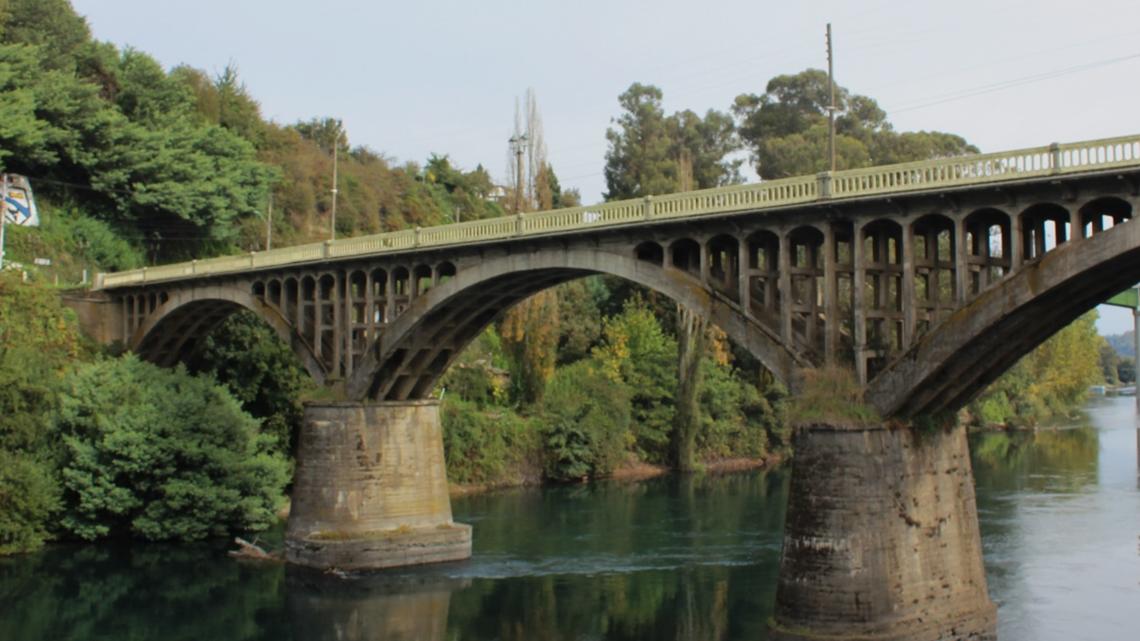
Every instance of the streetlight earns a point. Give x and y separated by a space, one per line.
518 147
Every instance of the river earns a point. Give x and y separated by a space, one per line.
670 558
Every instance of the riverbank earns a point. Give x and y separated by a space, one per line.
631 470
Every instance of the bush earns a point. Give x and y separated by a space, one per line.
160 454
485 444
587 419
735 417
29 496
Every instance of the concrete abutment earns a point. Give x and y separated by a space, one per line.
881 540
370 489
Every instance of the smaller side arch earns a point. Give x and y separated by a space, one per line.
164 336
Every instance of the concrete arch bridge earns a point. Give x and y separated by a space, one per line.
927 279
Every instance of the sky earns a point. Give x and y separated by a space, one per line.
414 78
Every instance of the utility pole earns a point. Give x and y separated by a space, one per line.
269 224
518 146
831 108
336 149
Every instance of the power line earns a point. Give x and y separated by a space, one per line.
1015 82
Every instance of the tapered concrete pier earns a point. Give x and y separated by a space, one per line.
881 541
370 490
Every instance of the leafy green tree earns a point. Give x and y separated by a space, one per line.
786 129
51 25
651 153
586 422
1051 380
261 371
637 353
529 332
160 454
38 340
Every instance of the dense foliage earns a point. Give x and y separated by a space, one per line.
1051 380
95 447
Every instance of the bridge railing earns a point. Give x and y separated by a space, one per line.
957 171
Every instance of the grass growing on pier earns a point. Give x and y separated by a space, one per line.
829 396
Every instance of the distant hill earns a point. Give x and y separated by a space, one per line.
1122 343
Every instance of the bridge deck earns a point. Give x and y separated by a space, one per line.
956 172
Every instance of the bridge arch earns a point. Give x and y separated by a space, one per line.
952 364
175 326
416 349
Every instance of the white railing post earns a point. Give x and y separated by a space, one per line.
416 237
326 249
1055 157
648 207
518 224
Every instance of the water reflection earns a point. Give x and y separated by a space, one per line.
1056 460
369 607
85 593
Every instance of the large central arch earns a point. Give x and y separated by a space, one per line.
417 347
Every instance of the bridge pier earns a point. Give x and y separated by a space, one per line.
881 540
370 489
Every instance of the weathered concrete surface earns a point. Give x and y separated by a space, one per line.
881 540
98 314
370 490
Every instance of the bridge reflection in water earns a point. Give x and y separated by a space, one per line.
377 607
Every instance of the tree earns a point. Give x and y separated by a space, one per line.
786 129
651 153
530 334
38 340
261 372
692 340
160 454
586 422
637 353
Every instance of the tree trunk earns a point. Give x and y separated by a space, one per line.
692 333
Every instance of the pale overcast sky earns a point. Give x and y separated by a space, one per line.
414 78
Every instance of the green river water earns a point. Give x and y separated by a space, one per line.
670 558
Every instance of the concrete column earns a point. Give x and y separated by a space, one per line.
347 323
369 307
881 539
785 283
858 283
370 490
961 264
1016 242
299 308
704 262
390 297
744 275
908 273
830 297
